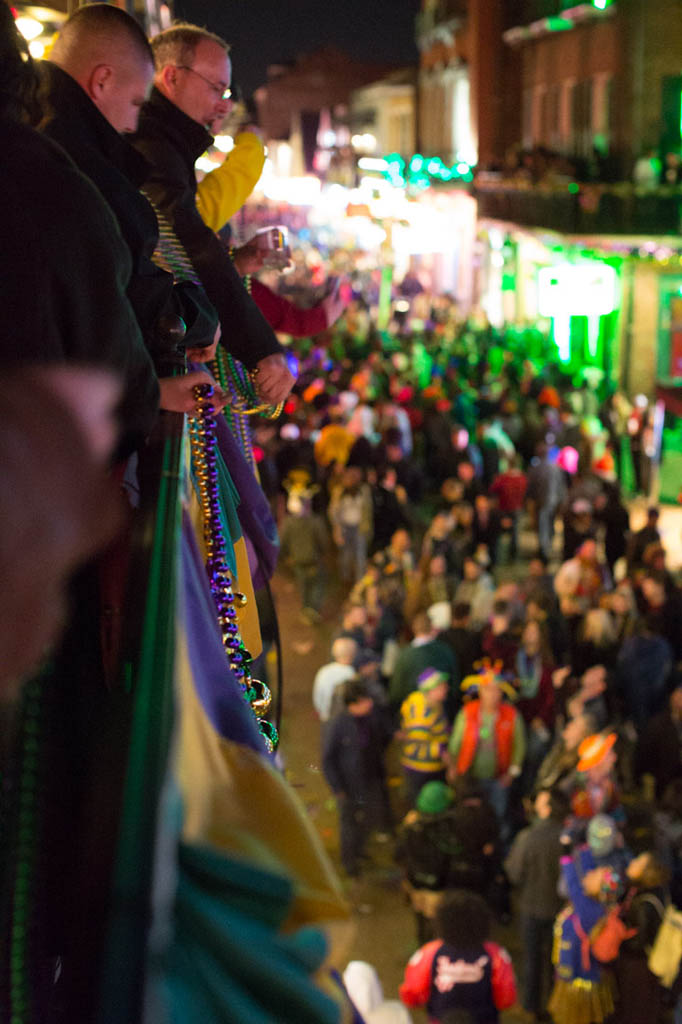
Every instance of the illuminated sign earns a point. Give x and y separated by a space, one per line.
577 289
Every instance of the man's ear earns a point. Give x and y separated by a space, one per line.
100 78
165 80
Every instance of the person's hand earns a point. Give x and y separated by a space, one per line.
177 393
273 379
559 676
91 395
206 353
248 259
337 300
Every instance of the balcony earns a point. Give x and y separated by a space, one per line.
583 209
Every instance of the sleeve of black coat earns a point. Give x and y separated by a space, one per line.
245 333
64 271
330 764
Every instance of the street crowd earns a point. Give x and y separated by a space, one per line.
507 637
525 676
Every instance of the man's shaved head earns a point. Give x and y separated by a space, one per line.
95 33
107 53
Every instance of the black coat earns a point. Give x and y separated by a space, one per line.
63 271
118 171
172 142
353 755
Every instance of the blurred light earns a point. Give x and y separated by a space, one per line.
205 165
366 143
296 191
29 27
370 163
402 306
495 238
224 143
557 24
36 48
562 336
584 289
292 363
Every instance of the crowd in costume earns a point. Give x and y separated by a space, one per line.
504 637
503 623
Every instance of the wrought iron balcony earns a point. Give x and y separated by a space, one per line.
583 209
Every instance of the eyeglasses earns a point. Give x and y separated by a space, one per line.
223 92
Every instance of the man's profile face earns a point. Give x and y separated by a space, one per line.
198 92
125 92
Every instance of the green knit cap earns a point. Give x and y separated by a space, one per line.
434 797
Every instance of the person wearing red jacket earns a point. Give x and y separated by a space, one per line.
287 318
461 970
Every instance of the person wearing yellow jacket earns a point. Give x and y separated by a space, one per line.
424 731
223 191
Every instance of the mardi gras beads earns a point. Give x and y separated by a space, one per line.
202 432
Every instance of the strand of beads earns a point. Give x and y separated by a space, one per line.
202 432
237 419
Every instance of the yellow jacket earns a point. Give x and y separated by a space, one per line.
224 191
426 734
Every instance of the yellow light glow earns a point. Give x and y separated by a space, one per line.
36 48
29 27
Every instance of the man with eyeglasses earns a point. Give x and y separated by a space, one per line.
191 94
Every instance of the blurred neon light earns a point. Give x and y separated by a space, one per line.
583 289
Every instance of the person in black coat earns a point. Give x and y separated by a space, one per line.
90 124
659 752
63 264
353 765
191 94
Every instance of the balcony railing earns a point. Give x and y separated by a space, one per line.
583 209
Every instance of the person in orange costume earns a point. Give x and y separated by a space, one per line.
488 741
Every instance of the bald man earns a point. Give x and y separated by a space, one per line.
191 92
99 72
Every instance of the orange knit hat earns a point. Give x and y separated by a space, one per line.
594 749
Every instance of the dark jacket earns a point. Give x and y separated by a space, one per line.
353 755
533 866
118 171
64 269
445 851
172 142
660 751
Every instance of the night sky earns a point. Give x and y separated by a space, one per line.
266 32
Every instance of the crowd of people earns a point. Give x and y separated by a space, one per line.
508 640
525 678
